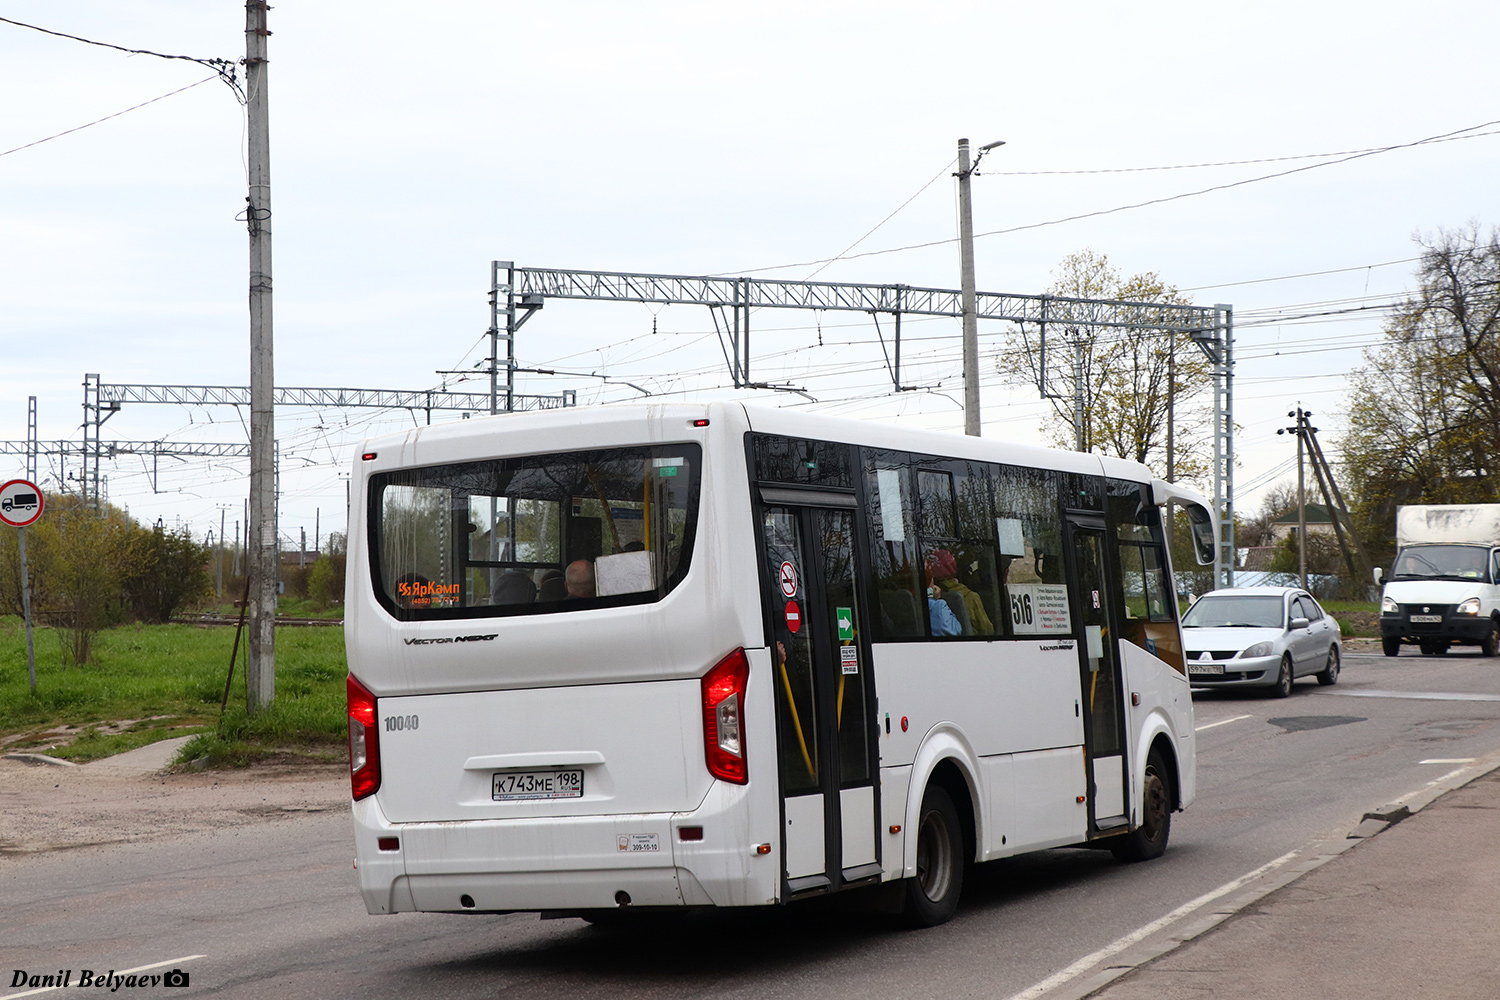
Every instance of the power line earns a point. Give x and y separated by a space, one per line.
225 68
1221 163
106 118
1446 136
883 221
1305 274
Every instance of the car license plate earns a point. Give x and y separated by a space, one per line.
511 786
1194 667
1427 619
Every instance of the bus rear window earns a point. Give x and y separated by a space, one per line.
533 535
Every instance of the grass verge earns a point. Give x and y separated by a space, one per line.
153 682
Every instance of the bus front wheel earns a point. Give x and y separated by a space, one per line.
932 896
1149 840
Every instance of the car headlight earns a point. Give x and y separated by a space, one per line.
1388 606
1259 649
1469 607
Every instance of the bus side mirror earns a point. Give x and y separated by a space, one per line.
1378 574
1204 534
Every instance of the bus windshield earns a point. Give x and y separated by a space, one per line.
537 534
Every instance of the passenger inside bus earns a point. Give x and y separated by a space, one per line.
513 588
579 578
944 569
553 587
939 613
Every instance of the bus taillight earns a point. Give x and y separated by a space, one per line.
723 723
364 744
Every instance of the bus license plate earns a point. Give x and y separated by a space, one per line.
510 786
1427 619
1194 667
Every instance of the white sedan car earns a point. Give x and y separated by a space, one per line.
1259 637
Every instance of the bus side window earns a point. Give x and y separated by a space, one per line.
896 577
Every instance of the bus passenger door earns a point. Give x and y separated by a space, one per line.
1099 659
824 693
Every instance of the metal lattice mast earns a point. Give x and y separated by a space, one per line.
1217 343
31 439
1210 327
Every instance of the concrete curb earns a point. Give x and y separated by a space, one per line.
39 758
148 759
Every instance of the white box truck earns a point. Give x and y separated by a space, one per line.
1444 589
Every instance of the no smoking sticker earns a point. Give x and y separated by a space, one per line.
787 577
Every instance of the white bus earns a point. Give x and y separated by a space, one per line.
719 655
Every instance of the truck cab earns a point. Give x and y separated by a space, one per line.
1444 588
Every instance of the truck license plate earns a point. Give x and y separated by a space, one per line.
1427 619
511 786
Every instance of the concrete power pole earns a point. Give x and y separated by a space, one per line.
966 291
966 283
260 529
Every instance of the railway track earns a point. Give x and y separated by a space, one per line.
234 620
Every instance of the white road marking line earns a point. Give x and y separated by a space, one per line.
1089 961
1221 722
1418 695
117 973
1448 760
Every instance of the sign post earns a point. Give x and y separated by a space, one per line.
21 504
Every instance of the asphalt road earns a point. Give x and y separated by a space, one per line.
272 909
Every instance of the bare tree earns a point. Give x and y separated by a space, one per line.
1127 387
1424 410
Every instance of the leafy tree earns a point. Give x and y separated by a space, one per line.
325 581
89 554
1424 410
1128 380
170 572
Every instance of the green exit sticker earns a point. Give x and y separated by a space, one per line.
667 470
845 617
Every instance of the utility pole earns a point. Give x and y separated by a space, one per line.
1300 429
260 529
966 283
966 287
1333 499
219 558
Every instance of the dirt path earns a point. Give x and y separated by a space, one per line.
47 807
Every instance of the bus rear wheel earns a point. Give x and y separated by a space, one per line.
932 896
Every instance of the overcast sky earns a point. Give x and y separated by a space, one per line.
412 144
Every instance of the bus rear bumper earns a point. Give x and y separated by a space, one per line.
566 863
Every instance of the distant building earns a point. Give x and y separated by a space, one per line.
1319 522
